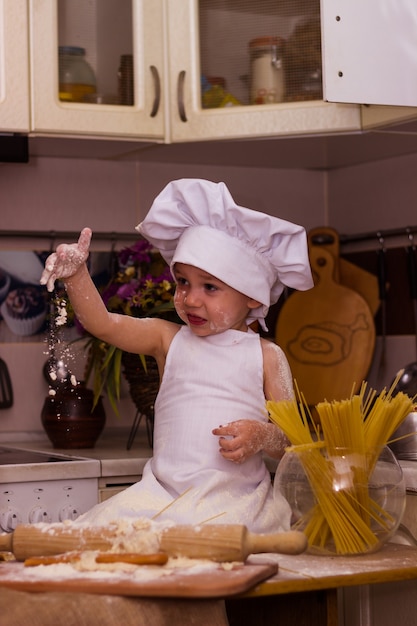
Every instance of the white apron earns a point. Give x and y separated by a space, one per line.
208 381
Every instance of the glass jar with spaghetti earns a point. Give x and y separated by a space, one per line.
346 501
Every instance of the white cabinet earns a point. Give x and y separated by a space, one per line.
213 36
175 46
373 59
14 71
96 27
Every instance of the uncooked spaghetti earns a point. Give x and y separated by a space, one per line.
338 455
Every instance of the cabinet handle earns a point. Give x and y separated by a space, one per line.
180 96
157 89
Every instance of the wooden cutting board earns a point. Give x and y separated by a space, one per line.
345 272
327 333
216 583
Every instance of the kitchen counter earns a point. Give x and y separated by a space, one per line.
111 453
116 460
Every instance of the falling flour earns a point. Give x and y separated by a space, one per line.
61 317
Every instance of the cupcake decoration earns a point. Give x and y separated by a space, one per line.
24 310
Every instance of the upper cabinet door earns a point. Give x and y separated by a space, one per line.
97 67
248 68
370 51
14 66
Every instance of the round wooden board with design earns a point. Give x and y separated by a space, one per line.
328 335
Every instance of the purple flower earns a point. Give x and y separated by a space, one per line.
138 253
126 291
143 286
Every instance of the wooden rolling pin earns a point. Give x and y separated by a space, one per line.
227 542
217 542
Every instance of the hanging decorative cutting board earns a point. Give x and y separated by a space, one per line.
345 272
327 333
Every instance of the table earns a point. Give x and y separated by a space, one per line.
305 591
306 588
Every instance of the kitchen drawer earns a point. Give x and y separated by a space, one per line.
110 486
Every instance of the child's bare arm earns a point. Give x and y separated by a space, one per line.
278 381
146 336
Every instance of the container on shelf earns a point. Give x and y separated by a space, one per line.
267 84
76 77
214 93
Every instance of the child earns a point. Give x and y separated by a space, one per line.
211 427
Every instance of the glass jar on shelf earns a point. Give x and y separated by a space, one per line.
76 77
267 85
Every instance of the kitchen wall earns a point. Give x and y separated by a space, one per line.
67 194
370 197
374 196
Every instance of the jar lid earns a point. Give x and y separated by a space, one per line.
75 50
264 42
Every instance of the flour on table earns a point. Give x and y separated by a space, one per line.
61 317
86 567
140 536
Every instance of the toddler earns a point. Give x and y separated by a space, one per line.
211 427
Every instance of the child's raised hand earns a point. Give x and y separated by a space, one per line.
67 260
241 439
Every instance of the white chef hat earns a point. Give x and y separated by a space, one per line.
197 222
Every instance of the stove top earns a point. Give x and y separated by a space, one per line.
22 465
16 456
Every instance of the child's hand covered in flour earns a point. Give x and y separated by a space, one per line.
242 439
67 260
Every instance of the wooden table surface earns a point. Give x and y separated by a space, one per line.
297 591
306 587
306 572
